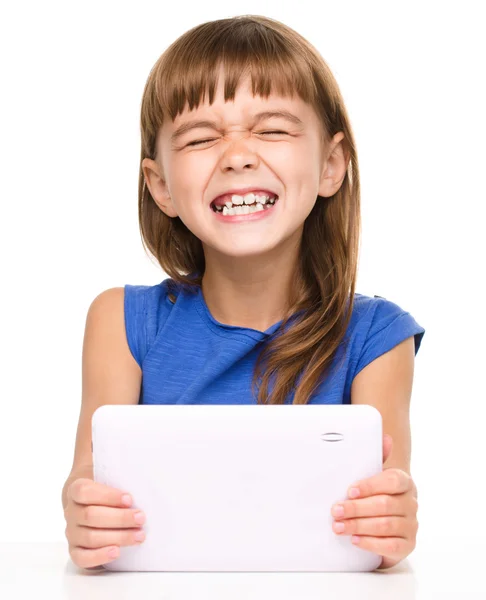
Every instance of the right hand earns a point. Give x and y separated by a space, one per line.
97 521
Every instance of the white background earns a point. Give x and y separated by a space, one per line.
72 76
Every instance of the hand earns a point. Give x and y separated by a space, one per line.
96 523
384 519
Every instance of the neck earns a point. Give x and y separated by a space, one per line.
249 292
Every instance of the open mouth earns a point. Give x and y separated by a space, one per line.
244 209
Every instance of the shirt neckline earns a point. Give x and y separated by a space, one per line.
219 327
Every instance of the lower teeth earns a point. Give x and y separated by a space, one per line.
253 208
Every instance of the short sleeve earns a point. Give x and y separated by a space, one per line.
390 326
146 310
135 320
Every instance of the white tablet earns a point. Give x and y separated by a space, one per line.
238 487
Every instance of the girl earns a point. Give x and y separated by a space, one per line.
249 198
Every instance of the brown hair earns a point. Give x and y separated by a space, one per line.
279 60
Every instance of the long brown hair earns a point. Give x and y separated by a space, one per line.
281 61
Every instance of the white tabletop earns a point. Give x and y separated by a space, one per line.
450 567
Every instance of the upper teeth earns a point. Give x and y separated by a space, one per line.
250 198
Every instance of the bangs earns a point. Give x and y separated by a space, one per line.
189 75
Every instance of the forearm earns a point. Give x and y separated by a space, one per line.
84 471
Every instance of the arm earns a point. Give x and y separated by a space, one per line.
382 518
386 383
110 374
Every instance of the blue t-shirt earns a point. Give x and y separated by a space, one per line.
187 357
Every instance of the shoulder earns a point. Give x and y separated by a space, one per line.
105 316
144 295
375 307
138 298
149 299
146 310
374 313
107 303
378 325
105 330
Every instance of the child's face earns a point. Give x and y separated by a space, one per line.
186 178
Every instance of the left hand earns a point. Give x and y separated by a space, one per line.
385 515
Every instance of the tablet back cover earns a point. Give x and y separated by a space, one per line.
238 487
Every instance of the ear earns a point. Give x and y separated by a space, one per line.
158 186
334 167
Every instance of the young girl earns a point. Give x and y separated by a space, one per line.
249 198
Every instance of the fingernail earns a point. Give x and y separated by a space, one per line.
139 536
338 510
139 518
127 500
353 492
338 527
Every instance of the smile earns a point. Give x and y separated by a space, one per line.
246 212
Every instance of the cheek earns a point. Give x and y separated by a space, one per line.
295 164
182 186
301 181
306 167
200 166
307 173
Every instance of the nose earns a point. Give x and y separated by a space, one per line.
239 152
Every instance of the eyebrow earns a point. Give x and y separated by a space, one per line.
267 114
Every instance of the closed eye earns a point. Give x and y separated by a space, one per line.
199 142
196 143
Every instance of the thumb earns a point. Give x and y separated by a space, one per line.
387 446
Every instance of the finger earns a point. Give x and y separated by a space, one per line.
89 538
374 526
106 517
87 559
87 491
389 481
391 547
399 505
